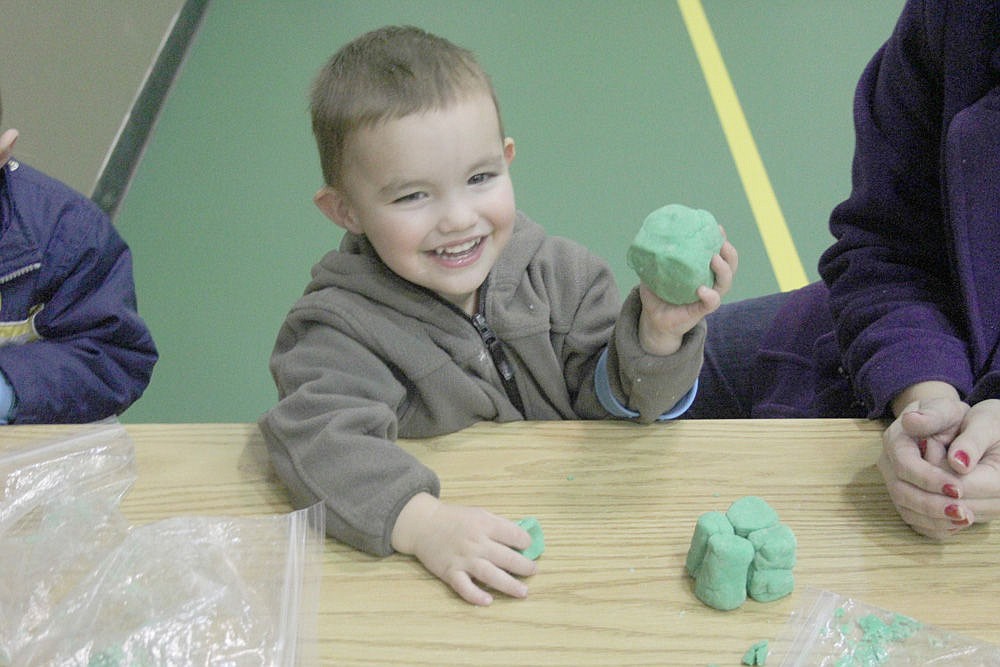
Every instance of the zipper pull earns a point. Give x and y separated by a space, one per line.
500 360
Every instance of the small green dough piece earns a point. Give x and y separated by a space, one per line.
751 513
708 524
756 654
769 585
672 251
722 578
775 547
530 524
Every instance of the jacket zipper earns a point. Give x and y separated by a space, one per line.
20 272
495 347
500 360
492 342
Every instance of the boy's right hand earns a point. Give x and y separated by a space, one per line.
465 545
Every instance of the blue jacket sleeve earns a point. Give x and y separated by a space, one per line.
95 355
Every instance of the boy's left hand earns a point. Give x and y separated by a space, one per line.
662 325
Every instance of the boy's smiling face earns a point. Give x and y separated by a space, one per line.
432 192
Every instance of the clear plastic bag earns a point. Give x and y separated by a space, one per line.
828 629
78 586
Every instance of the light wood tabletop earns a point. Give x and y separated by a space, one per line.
618 504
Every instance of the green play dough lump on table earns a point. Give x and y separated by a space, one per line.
709 523
751 513
743 552
722 577
774 547
672 250
530 524
770 576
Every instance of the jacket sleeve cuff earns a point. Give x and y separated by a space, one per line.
602 385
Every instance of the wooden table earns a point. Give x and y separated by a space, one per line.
618 504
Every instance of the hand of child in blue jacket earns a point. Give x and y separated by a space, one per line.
7 140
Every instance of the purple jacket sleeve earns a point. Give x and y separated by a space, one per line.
892 289
95 356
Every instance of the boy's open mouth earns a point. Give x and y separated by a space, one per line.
460 250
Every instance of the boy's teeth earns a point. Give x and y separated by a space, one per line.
457 249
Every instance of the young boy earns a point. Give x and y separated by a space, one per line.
445 306
72 346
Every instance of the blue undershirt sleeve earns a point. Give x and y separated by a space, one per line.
602 385
6 400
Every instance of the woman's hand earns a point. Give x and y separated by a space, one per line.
914 464
941 460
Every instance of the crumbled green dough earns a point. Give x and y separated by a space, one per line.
756 654
722 578
870 649
112 657
708 524
751 513
530 524
672 251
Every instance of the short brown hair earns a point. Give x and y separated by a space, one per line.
384 74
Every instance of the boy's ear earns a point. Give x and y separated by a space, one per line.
334 206
508 150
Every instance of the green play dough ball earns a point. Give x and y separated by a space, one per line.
672 251
530 524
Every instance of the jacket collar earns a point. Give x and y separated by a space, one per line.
18 243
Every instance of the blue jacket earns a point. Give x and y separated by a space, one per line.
910 286
72 345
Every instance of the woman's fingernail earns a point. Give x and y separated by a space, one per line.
963 522
955 512
962 457
922 446
950 490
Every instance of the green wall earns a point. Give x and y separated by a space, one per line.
605 100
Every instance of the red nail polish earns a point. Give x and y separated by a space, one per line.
922 446
962 458
955 512
950 490
963 522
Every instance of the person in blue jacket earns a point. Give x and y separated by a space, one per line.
905 325
72 345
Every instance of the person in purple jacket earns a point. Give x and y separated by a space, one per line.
905 324
72 345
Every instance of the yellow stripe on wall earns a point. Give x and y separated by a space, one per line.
770 221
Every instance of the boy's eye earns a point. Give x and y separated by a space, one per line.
479 179
413 196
